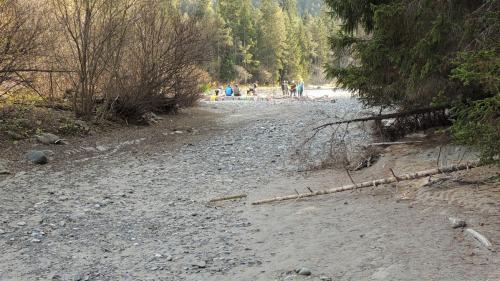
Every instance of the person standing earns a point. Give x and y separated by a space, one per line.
300 88
293 89
229 90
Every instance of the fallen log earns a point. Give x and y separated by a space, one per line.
226 198
382 117
373 183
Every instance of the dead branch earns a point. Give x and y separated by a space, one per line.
373 183
393 143
382 117
479 237
227 198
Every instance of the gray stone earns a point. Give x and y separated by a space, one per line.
37 157
47 138
3 168
21 223
48 153
304 271
2 231
457 223
199 264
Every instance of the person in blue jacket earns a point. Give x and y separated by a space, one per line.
229 91
300 89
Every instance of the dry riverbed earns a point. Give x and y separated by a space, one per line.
132 204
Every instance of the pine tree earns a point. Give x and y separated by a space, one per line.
271 38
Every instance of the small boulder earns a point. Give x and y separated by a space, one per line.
457 223
199 264
37 157
303 271
47 138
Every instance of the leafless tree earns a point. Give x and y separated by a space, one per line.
159 71
95 31
20 43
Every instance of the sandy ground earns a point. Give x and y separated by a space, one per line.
133 205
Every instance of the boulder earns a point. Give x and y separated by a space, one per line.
47 138
37 157
303 271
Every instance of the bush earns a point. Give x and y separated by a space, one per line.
477 124
159 70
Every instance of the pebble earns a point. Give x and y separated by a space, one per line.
21 223
199 264
215 235
2 231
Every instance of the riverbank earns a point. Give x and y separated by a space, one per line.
132 204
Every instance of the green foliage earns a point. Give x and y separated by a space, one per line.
205 88
481 68
477 124
401 52
410 54
266 38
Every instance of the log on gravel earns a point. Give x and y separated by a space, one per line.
227 198
373 183
479 237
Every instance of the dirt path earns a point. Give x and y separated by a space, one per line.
133 206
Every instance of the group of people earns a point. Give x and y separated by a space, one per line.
235 90
293 89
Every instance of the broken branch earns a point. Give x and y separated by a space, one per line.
373 183
226 198
381 117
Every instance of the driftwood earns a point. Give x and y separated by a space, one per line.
373 183
479 237
226 198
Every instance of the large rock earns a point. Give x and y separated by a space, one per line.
3 168
37 157
47 138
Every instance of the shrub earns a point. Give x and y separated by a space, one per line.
477 124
